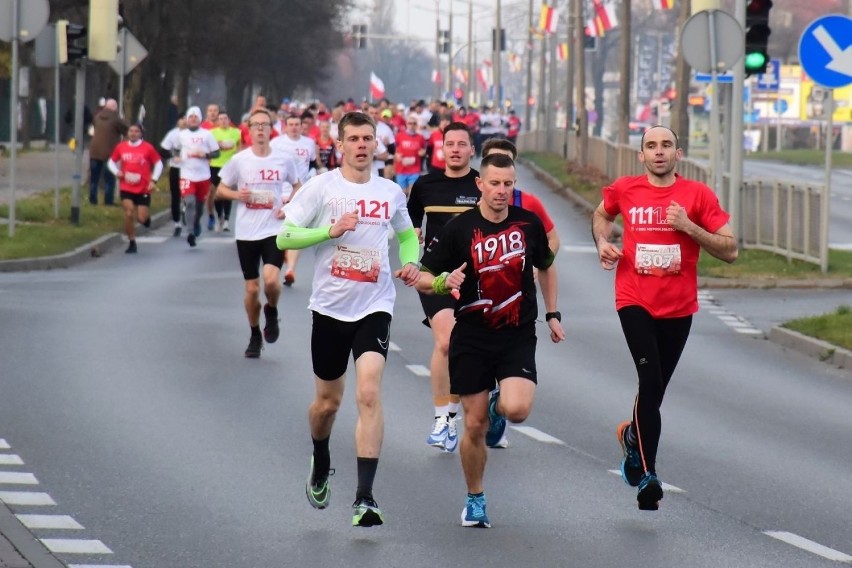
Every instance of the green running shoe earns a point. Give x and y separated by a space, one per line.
318 492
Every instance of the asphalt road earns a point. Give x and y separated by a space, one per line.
126 395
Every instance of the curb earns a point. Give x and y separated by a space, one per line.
28 550
816 348
93 249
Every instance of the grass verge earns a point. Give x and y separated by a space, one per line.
38 233
805 157
834 327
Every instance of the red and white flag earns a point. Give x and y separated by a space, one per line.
377 86
436 76
547 19
605 16
461 75
662 4
484 75
562 52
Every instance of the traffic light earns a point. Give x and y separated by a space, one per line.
757 36
444 41
494 39
359 34
72 41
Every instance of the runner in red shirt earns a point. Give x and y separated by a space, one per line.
435 147
137 166
667 221
408 160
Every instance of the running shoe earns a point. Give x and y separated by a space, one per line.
131 247
502 443
196 230
271 331
318 491
211 222
631 463
650 492
473 514
367 513
496 423
190 238
177 231
226 226
254 347
452 435
289 278
438 437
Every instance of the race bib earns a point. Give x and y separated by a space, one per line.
260 199
356 263
440 155
658 260
408 161
132 178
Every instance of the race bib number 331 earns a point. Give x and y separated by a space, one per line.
658 260
356 263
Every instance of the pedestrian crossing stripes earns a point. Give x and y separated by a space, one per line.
810 546
49 522
33 498
75 546
17 478
735 322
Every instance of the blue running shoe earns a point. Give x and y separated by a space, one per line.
211 222
631 464
452 440
496 423
438 437
650 493
473 514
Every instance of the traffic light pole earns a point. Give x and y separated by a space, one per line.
735 122
79 102
13 118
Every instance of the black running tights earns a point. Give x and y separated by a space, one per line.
656 346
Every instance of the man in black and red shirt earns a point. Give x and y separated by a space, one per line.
487 255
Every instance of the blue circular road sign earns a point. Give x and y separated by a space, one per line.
780 106
825 51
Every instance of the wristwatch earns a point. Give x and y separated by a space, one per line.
550 315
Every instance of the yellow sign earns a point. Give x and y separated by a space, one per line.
815 98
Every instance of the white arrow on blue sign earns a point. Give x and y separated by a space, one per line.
825 51
771 80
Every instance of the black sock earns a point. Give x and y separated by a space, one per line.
366 474
255 331
322 459
146 222
480 494
452 414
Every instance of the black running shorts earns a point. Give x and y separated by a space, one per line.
479 357
434 303
251 254
332 340
138 199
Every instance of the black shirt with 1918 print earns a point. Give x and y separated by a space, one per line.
499 288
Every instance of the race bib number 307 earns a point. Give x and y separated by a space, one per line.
658 260
355 263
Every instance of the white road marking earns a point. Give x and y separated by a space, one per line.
537 435
726 318
49 522
394 347
18 478
75 546
585 249
748 331
152 240
4 445
26 498
11 459
419 370
666 486
810 546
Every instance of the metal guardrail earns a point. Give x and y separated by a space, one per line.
788 218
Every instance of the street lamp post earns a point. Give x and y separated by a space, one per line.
498 36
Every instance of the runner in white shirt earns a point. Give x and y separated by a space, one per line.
304 151
197 147
260 181
171 141
348 213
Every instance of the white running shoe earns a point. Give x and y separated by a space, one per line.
226 226
438 437
452 435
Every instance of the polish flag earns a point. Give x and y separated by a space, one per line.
562 52
461 76
662 4
377 86
436 76
605 14
484 75
547 19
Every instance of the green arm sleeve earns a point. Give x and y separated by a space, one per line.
292 237
409 246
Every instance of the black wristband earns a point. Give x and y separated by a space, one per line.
551 315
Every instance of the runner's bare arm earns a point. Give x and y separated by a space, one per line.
722 244
602 226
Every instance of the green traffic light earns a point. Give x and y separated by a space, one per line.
755 61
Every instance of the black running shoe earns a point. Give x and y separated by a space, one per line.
177 231
190 238
147 223
271 331
631 462
131 248
650 493
254 347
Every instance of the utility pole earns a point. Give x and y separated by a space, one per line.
528 119
582 115
436 86
625 23
448 83
541 108
470 78
569 82
550 114
498 80
680 114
